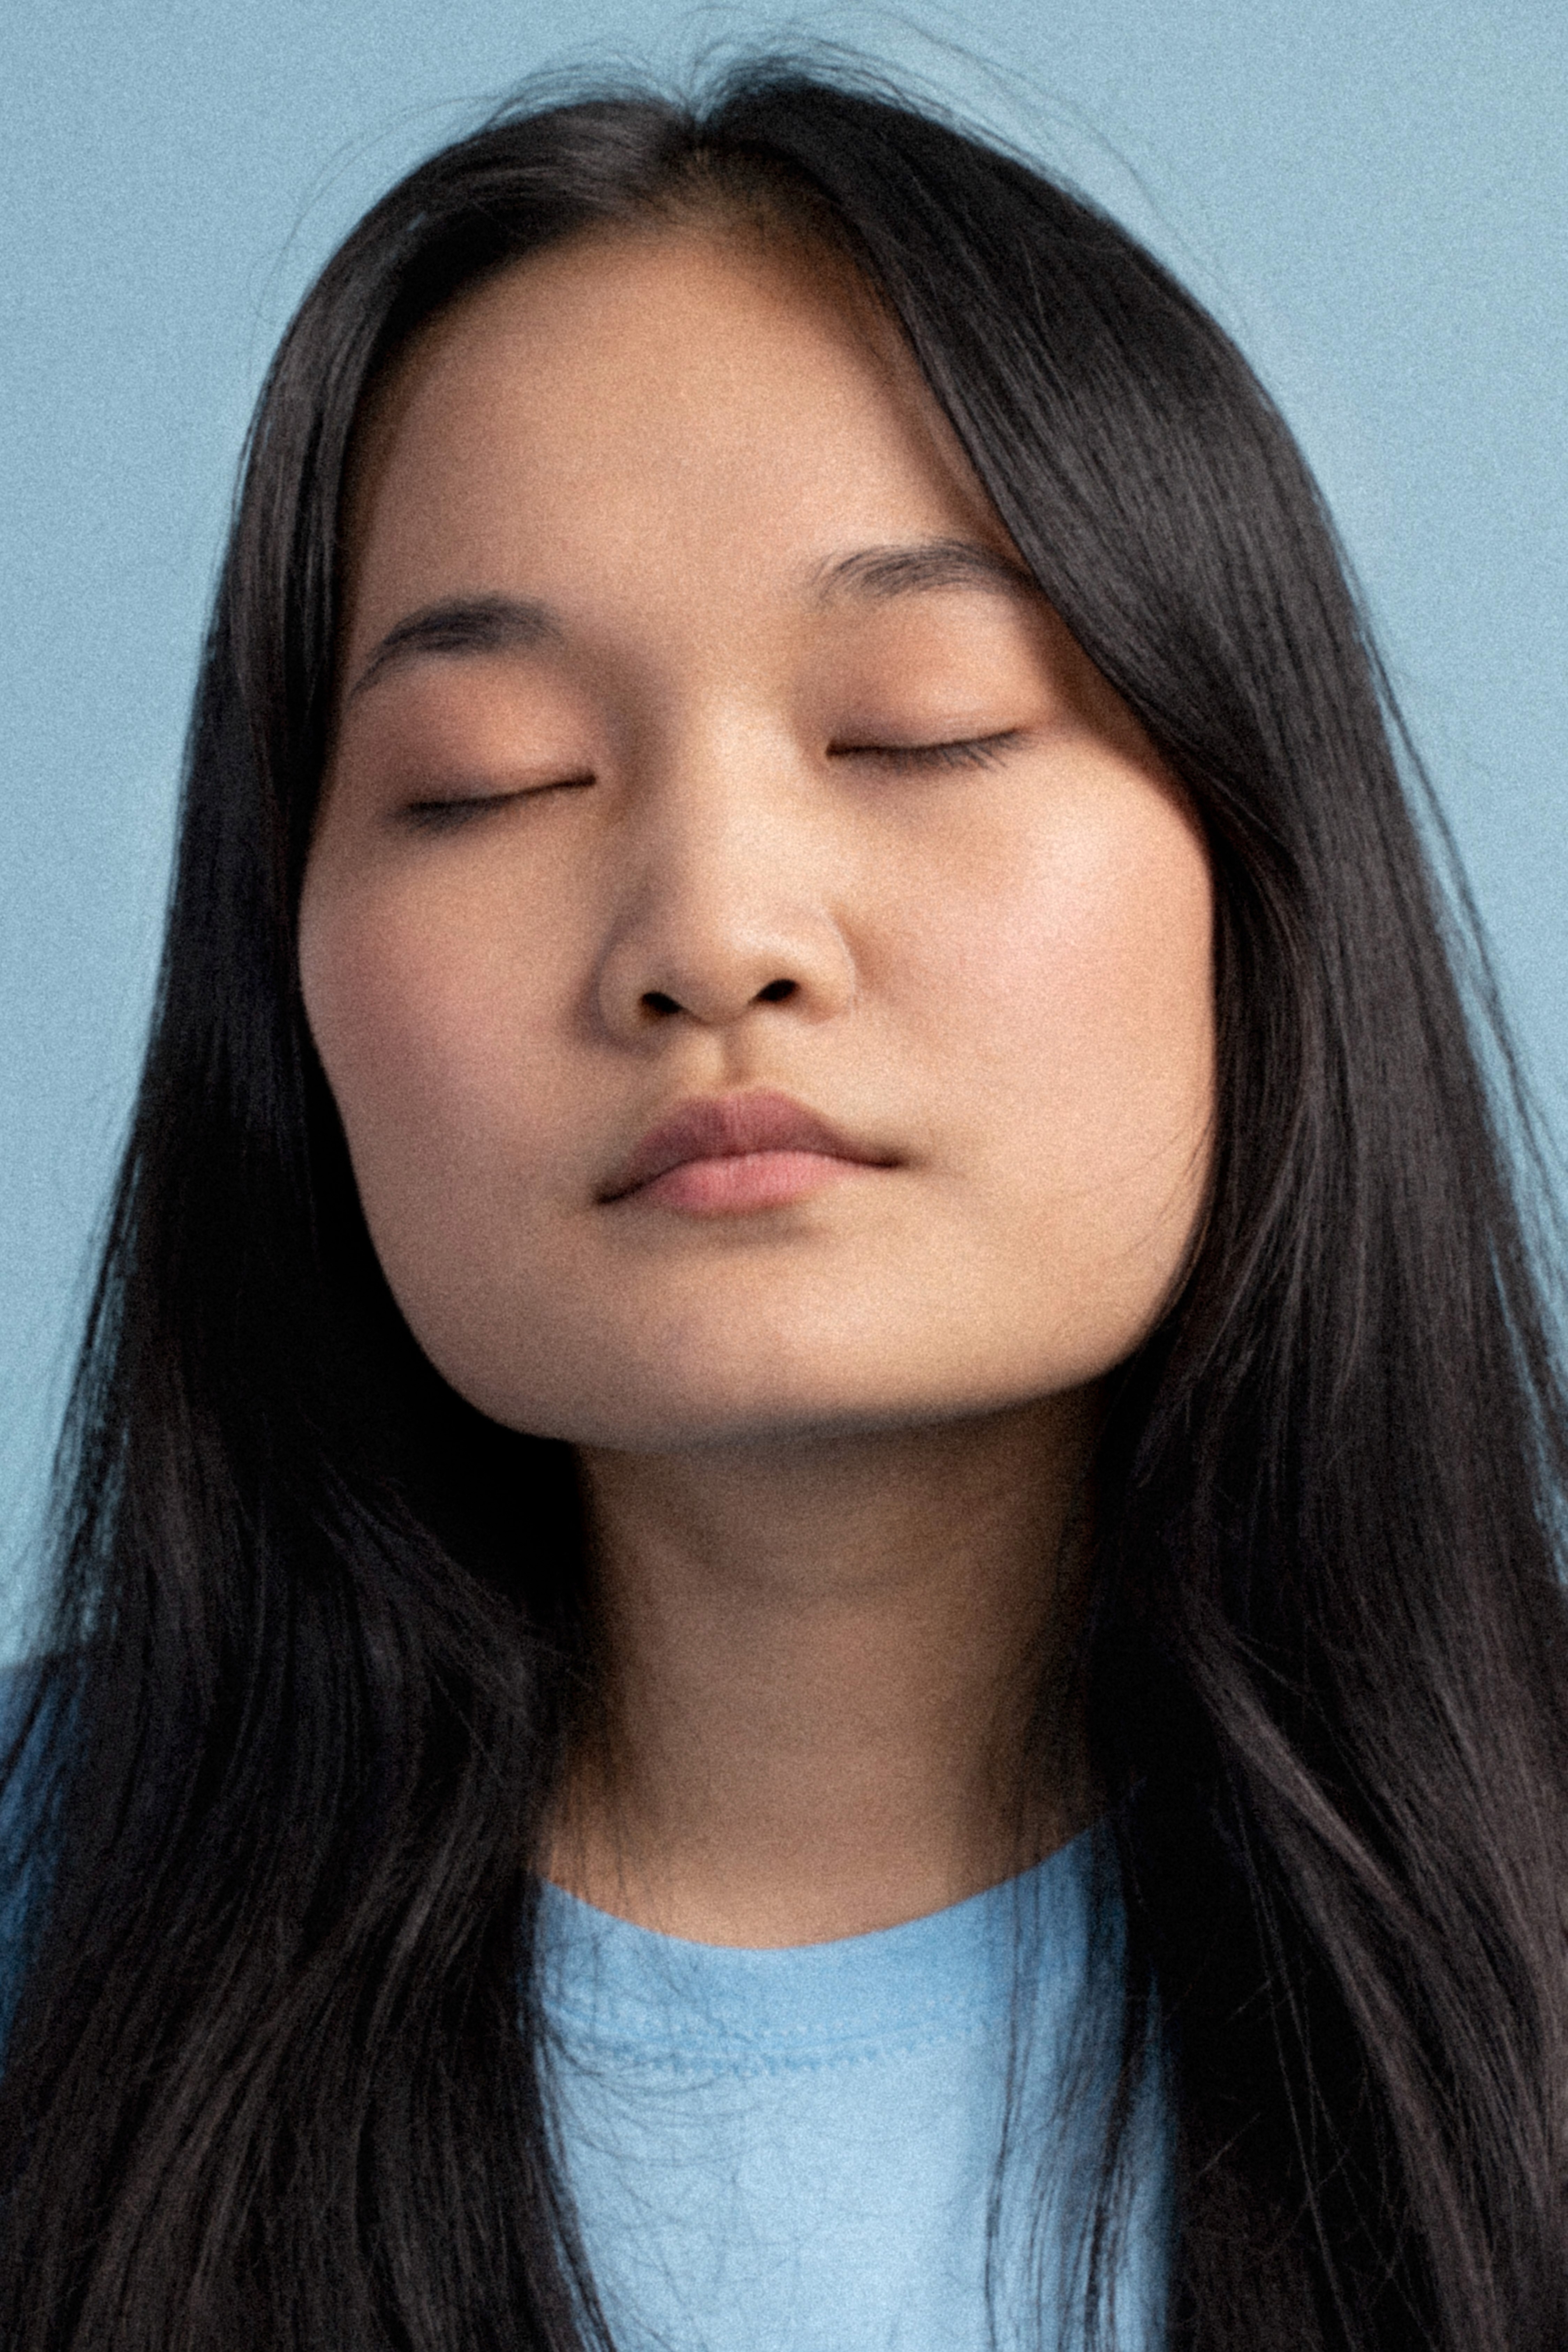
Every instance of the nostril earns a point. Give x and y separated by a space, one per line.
660 1005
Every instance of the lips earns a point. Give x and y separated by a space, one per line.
732 1127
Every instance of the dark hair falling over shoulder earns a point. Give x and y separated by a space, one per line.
266 2083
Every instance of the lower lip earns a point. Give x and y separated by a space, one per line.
746 1180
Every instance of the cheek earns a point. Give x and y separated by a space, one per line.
1083 965
420 1014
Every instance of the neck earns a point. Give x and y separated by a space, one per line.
822 1664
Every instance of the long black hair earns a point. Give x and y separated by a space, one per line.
272 2077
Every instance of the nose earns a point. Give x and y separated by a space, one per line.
726 901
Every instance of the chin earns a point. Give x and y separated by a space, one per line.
762 1370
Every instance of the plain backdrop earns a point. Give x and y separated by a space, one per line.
1372 193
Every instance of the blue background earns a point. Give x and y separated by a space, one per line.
1372 193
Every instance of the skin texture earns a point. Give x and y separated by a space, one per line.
689 838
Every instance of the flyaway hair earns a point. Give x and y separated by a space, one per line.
318 1630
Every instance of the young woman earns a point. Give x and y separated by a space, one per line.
810 1590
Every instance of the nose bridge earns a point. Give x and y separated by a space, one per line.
725 899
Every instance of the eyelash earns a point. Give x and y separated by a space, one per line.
970 751
444 816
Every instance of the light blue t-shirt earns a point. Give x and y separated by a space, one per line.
796 2150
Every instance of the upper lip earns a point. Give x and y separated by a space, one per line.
723 1127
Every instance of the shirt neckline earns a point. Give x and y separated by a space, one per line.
609 1983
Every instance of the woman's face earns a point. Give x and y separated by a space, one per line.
762 969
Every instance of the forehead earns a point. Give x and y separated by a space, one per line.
639 411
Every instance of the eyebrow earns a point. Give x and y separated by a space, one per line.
489 625
880 573
461 624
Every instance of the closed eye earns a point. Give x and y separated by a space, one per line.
446 813
965 751
451 811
